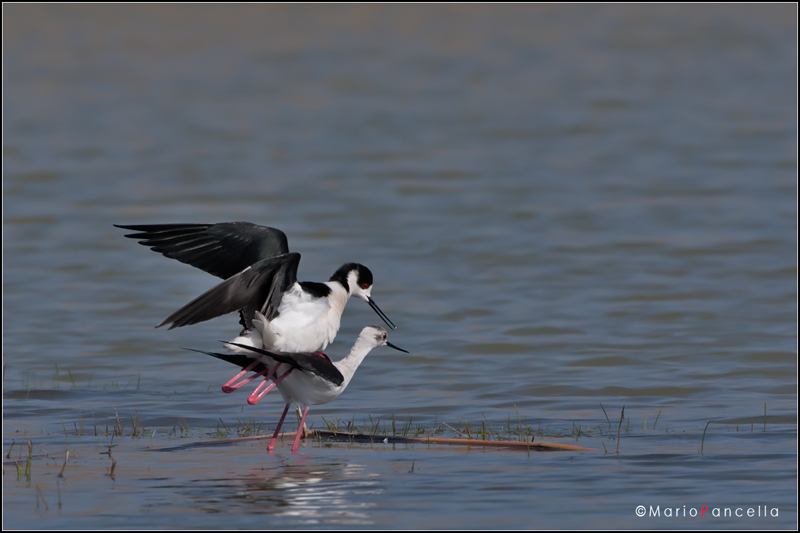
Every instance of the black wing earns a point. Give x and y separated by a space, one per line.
223 249
257 288
315 363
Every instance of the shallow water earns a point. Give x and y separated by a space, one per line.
564 207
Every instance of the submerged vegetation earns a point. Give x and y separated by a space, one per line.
611 428
513 429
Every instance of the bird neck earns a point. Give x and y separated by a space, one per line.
350 364
337 298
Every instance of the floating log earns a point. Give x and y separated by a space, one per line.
393 439
360 438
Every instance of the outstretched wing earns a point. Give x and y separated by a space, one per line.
223 249
256 288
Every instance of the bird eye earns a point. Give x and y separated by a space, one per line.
364 285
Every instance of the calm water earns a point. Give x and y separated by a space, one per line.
563 207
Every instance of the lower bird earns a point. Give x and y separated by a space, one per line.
303 378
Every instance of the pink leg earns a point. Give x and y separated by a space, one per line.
271 446
229 387
256 396
299 431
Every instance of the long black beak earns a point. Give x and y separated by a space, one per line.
390 345
381 314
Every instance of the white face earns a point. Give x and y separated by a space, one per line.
361 288
359 291
378 334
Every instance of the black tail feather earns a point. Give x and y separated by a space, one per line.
240 360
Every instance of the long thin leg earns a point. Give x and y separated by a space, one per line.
299 430
229 387
271 446
256 396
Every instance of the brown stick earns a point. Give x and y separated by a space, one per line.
501 443
366 439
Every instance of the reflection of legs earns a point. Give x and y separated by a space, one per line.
277 429
299 430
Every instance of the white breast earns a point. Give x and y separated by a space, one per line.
305 323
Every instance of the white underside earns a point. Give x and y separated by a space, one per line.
304 323
307 389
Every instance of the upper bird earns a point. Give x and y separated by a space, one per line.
260 275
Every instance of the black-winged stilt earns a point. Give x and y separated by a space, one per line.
303 378
260 276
